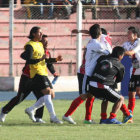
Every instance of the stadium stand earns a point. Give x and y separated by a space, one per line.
61 41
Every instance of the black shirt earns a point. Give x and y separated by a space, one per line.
108 71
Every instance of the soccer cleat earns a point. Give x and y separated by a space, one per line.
89 122
127 118
103 121
39 120
113 121
130 120
55 120
30 114
69 119
2 116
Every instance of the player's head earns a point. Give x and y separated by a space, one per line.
35 33
118 52
104 31
95 31
132 34
44 41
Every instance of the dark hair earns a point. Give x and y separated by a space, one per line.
133 2
32 31
44 36
95 31
118 51
134 30
104 31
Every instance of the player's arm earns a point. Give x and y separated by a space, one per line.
101 49
130 53
53 60
133 51
23 55
120 75
51 68
80 31
50 64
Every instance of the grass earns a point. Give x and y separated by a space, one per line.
18 126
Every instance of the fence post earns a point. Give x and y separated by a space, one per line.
79 35
11 15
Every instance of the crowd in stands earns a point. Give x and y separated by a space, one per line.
65 7
69 6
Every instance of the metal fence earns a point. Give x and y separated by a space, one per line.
49 12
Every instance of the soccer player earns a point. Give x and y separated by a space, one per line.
94 50
50 66
132 47
107 72
38 72
25 88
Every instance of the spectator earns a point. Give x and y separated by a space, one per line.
115 3
39 10
93 9
74 5
29 9
138 10
50 9
40 7
67 8
130 9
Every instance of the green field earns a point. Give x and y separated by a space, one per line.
18 126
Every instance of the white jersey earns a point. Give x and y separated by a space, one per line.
94 50
106 41
136 58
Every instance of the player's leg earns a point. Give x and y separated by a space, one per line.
132 94
23 91
100 93
118 100
76 102
84 81
39 111
103 114
43 84
89 105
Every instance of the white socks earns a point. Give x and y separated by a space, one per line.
38 104
49 105
44 100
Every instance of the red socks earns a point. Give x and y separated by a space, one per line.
125 110
74 106
89 104
103 116
112 116
131 104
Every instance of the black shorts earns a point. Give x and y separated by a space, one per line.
41 82
25 84
26 87
107 94
134 83
83 81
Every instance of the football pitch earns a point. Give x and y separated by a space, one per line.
18 126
